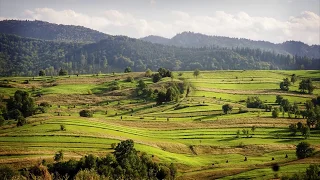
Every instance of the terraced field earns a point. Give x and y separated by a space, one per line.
193 132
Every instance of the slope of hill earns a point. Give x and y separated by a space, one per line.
156 39
26 56
49 31
197 40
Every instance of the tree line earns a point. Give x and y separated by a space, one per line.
125 162
27 57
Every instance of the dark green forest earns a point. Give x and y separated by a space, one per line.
197 40
24 56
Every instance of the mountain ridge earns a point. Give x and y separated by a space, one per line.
198 40
80 51
70 33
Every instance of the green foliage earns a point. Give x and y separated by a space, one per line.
294 78
124 163
22 103
164 72
21 121
114 53
306 85
127 70
285 84
196 73
172 93
7 172
305 131
63 127
227 108
130 79
58 156
148 73
86 113
42 73
279 99
63 72
115 85
285 104
156 77
275 112
2 120
312 172
87 174
293 129
44 104
254 102
304 150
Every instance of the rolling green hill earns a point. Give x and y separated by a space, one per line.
191 132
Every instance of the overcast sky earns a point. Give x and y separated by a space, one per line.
270 20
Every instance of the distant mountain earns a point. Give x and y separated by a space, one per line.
27 56
49 31
29 46
197 40
156 39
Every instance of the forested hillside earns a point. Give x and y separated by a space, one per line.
50 31
25 56
51 47
197 40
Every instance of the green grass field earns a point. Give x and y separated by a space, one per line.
193 132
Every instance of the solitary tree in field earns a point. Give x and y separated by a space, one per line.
284 85
196 73
227 108
148 73
127 70
304 150
42 73
294 78
305 131
306 84
275 113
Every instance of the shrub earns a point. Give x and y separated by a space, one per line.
42 73
1 120
62 127
127 70
85 113
148 73
113 145
156 77
275 113
21 121
254 102
129 79
6 172
226 108
58 156
44 104
87 174
115 86
304 150
63 72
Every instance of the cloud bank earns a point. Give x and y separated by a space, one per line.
305 27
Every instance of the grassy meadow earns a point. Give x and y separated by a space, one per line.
193 132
